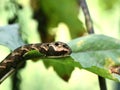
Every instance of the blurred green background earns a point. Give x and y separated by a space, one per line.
64 27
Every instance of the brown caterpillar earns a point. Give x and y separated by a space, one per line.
14 59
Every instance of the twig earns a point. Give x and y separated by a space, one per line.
88 20
102 83
90 29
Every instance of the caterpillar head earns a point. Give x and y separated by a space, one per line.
55 49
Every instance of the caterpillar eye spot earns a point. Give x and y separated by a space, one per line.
47 44
56 44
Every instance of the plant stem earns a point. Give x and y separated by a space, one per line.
102 83
90 29
88 20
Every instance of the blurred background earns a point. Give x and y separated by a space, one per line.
61 20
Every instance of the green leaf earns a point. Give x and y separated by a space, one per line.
65 11
33 54
98 54
10 37
62 66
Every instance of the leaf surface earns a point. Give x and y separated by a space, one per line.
10 36
62 66
98 54
65 11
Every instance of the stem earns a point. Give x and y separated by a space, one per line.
16 81
102 83
88 20
90 29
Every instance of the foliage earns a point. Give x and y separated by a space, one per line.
67 13
108 5
10 36
90 51
95 53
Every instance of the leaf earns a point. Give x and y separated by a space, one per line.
65 11
98 54
10 37
62 66
33 54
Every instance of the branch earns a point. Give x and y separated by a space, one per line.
90 29
88 20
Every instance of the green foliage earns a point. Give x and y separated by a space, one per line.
10 36
33 54
97 53
108 4
7 11
64 11
62 66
